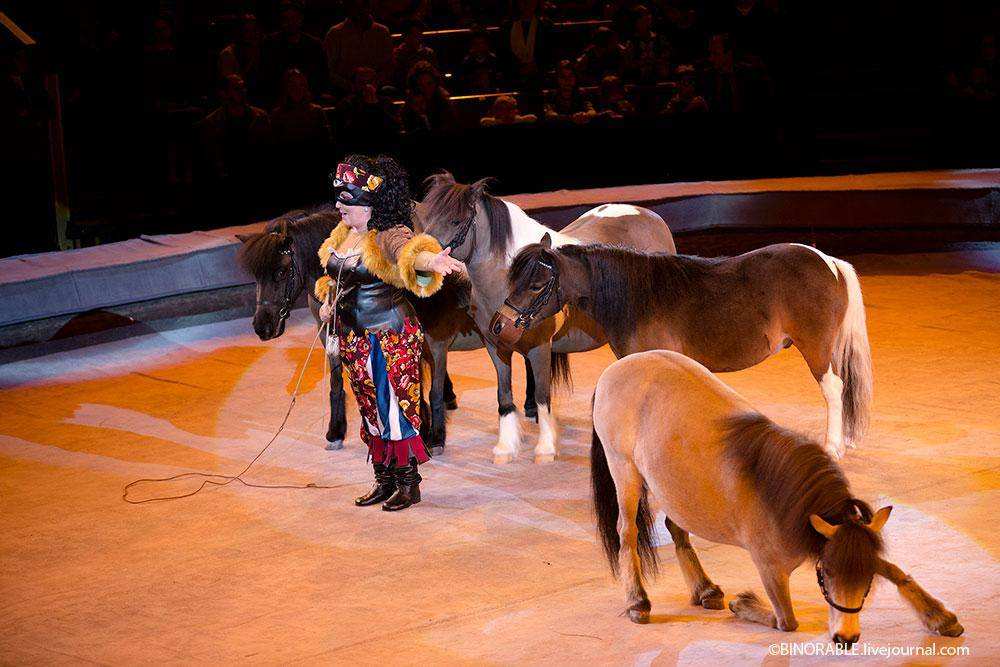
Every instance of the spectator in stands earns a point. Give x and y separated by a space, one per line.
425 81
751 26
167 117
612 101
720 76
478 71
366 112
414 118
686 99
358 41
566 103
396 14
235 137
683 32
242 56
648 54
291 48
979 83
602 57
301 140
505 112
163 73
296 120
734 85
22 98
411 51
525 43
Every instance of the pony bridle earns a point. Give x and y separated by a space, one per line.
826 594
511 321
459 239
292 287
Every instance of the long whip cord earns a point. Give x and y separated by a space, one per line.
215 479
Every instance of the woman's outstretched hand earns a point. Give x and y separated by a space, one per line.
444 263
325 311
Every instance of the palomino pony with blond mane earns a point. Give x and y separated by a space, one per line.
485 232
728 313
669 434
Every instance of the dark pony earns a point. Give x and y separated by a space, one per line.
796 478
456 202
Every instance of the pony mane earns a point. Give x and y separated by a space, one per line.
304 229
628 287
794 478
450 202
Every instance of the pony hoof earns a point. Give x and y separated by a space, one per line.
334 445
711 598
502 459
949 626
545 458
953 630
639 616
437 450
451 405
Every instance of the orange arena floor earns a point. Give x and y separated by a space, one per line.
497 565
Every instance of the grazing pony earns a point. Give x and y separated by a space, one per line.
668 433
282 260
485 232
728 313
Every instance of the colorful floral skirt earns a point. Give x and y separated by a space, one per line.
384 370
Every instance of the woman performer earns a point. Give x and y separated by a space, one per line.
370 258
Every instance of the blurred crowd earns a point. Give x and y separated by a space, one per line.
300 86
246 97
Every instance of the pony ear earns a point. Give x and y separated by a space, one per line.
546 240
879 518
822 527
245 237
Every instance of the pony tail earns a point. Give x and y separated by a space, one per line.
852 357
644 522
602 488
562 375
605 498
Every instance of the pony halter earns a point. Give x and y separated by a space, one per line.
826 595
458 240
292 287
510 322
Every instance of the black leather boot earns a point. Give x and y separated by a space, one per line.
407 488
384 487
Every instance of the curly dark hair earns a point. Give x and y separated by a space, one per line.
392 203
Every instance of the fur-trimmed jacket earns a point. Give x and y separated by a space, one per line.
391 255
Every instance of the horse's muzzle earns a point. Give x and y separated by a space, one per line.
504 329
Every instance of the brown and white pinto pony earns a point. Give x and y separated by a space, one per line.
668 434
485 232
727 313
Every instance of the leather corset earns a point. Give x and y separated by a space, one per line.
366 301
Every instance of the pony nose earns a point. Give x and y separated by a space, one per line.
262 328
845 642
